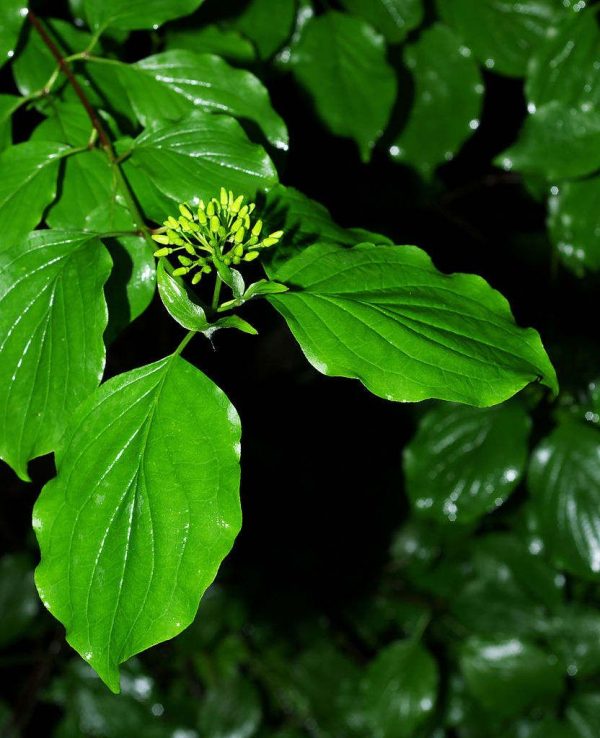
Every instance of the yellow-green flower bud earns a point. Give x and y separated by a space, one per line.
189 248
276 234
224 198
251 208
170 222
163 252
186 261
202 219
243 212
252 241
215 223
197 277
269 241
239 236
237 204
238 250
201 205
236 260
257 228
210 209
221 232
251 255
185 224
174 238
160 238
207 269
185 212
180 271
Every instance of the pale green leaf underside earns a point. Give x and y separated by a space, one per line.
170 85
52 317
386 316
177 301
341 62
143 510
464 461
133 15
564 480
28 174
193 159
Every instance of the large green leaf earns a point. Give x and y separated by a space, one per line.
52 317
564 480
400 690
131 15
394 18
28 174
386 316
143 510
508 675
225 42
341 62
465 462
12 16
268 24
556 143
502 33
564 66
574 224
170 85
583 713
193 159
447 100
574 635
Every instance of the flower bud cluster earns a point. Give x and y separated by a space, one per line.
221 231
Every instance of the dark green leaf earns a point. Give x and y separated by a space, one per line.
193 159
230 708
144 509
502 33
131 15
394 18
509 675
574 635
583 713
12 17
400 689
8 105
556 143
447 100
52 318
386 316
465 462
170 85
178 302
574 224
564 480
268 24
19 603
28 174
225 42
340 60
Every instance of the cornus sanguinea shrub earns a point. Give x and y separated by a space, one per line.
157 250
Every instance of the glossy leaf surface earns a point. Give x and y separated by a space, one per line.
465 462
574 224
564 480
28 173
386 316
12 17
224 42
393 18
192 159
340 61
143 510
400 689
178 302
447 100
130 15
52 317
268 24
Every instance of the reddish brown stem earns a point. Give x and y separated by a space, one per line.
66 69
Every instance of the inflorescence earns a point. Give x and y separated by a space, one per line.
220 231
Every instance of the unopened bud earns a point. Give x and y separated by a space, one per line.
224 198
185 212
180 271
251 255
215 223
197 277
257 228
202 219
184 260
237 204
163 252
210 209
238 250
160 238
269 241
239 236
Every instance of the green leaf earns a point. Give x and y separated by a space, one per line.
557 143
503 34
506 676
52 316
178 302
564 66
225 42
564 481
583 713
230 708
574 224
447 100
19 603
133 15
170 85
268 24
143 510
386 316
574 634
8 105
465 462
12 17
341 62
400 689
193 159
27 185
393 18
